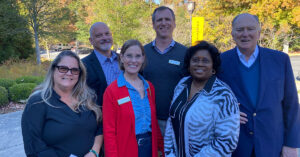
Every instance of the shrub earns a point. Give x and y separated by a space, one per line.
6 83
19 92
3 96
39 80
29 79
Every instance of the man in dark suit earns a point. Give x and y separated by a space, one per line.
263 82
102 64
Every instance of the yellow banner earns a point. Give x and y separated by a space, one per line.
197 29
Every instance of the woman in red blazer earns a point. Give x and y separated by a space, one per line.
129 116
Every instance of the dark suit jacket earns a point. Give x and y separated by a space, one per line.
275 121
95 76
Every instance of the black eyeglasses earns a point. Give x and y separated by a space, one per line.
65 69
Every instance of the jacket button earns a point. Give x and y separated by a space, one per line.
254 114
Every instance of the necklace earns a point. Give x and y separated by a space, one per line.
194 87
194 90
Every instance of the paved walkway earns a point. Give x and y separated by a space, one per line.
11 143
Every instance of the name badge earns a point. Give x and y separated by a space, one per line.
123 100
174 62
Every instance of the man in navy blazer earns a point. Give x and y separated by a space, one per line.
102 64
263 82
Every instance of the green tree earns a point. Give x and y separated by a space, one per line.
280 21
127 19
15 41
218 16
48 19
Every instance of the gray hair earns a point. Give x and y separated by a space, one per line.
161 8
245 14
94 25
81 92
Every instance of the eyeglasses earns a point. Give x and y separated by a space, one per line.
131 57
65 69
197 61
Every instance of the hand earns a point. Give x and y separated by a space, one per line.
159 154
90 154
289 152
243 117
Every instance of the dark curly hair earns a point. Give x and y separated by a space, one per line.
203 45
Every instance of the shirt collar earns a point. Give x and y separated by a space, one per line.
254 54
55 94
103 58
121 81
170 46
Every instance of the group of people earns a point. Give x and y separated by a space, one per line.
164 99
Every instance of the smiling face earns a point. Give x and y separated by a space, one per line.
246 33
101 37
201 65
132 60
63 81
164 24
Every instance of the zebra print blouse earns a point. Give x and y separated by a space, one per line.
207 125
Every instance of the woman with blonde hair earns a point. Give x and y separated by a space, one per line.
61 118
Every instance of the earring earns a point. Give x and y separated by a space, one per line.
213 71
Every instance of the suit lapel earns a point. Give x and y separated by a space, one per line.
264 62
97 67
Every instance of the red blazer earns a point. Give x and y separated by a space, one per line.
119 123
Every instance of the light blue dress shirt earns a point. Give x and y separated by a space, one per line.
141 106
252 58
110 66
166 50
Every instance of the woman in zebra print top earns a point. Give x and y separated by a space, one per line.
204 114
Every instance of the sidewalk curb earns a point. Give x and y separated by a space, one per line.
11 143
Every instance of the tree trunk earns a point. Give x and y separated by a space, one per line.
37 47
286 45
47 50
77 44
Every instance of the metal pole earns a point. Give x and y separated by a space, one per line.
191 36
